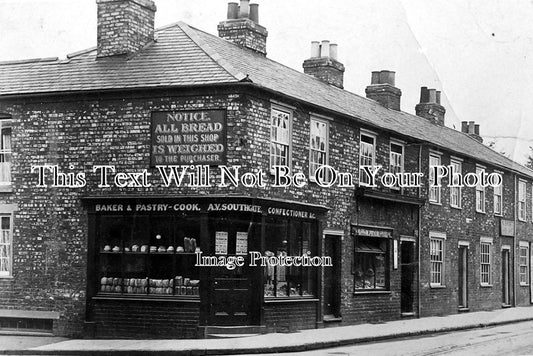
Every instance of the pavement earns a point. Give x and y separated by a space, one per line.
275 342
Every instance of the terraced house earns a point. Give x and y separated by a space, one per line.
112 252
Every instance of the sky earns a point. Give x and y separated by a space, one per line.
478 52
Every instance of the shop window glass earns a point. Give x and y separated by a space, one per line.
289 238
371 263
148 255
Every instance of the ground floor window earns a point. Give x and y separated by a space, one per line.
371 263
284 237
436 253
6 246
485 262
150 254
524 263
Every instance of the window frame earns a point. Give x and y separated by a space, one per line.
523 245
438 191
522 206
402 160
6 122
459 190
441 239
9 272
481 200
488 242
372 136
289 112
385 254
498 189
311 149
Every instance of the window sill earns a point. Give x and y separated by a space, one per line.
290 300
437 286
6 188
522 220
6 277
481 212
435 203
499 215
456 207
524 284
363 292
486 285
147 298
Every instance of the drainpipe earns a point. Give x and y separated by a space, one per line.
419 233
515 240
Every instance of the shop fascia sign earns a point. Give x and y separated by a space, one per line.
370 231
201 207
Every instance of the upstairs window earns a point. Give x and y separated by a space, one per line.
5 151
366 157
498 199
480 192
522 200
434 190
280 135
396 159
456 192
318 146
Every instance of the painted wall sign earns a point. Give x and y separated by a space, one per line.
188 137
507 227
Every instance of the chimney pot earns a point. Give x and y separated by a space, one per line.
233 11
476 129
471 128
254 12
432 96
424 95
315 49
334 51
244 9
324 49
438 97
464 126
375 78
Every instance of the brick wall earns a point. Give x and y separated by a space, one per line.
286 317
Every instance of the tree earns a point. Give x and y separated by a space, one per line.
529 162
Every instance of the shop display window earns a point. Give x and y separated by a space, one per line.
290 238
148 255
371 263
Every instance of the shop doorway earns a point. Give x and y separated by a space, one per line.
233 299
408 269
463 277
506 287
332 278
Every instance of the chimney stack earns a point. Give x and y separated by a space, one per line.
124 26
430 107
324 63
471 129
242 27
382 89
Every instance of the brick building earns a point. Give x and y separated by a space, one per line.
112 260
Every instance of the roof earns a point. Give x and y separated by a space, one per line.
185 56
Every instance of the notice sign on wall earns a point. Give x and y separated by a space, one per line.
221 243
188 137
241 244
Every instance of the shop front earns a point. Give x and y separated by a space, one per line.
173 267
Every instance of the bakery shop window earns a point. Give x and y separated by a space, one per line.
371 263
292 238
148 255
